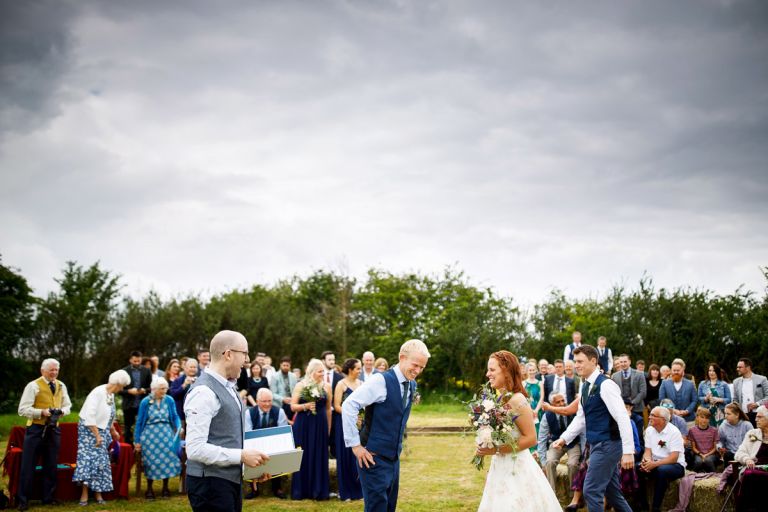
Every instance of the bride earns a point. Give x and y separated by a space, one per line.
515 482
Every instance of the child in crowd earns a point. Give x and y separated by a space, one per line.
732 431
703 454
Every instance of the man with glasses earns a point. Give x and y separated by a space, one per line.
750 390
215 426
664 457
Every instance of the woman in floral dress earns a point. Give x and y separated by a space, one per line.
156 428
95 432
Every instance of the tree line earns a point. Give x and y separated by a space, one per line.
91 326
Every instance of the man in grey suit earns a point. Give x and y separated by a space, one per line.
631 382
750 390
282 384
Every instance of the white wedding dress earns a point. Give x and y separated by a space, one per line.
517 483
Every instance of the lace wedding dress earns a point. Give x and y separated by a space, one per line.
516 484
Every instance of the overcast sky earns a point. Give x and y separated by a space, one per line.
199 146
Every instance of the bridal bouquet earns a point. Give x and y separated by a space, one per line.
313 392
492 422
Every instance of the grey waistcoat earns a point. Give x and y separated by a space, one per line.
226 430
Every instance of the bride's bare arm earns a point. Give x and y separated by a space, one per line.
524 423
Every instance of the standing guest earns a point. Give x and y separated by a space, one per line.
665 372
297 373
543 369
631 383
663 459
95 432
605 356
346 463
602 414
330 375
750 390
704 438
381 364
43 402
215 428
157 425
267 369
714 394
282 386
640 367
552 426
681 391
203 360
535 391
311 429
368 367
387 400
652 384
557 382
266 415
732 431
156 365
173 370
570 372
134 392
573 345
754 452
180 386
256 382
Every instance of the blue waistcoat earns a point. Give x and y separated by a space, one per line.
602 360
600 424
385 422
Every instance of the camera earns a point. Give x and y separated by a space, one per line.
55 415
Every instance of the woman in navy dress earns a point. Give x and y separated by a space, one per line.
255 382
346 463
311 429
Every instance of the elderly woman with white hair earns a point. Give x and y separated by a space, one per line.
752 453
95 433
156 427
311 401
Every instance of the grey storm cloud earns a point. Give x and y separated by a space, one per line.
533 143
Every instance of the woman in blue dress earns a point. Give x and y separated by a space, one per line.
346 462
95 432
156 429
311 430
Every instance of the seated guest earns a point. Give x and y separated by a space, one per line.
677 421
637 426
732 431
702 454
681 391
552 425
256 382
663 460
156 428
714 394
265 415
180 386
95 432
754 452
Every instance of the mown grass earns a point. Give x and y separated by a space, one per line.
435 471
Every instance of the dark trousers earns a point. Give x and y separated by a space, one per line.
752 417
661 476
213 494
129 417
603 477
380 485
288 412
45 442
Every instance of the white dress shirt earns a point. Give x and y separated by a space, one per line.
27 402
747 393
558 386
200 406
282 419
672 440
611 396
567 351
372 391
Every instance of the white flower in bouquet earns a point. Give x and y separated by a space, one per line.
488 405
484 437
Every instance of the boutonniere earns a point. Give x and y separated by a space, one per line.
753 438
662 443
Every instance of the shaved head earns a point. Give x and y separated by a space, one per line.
226 340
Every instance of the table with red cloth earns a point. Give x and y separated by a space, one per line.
66 490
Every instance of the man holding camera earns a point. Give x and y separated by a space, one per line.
43 402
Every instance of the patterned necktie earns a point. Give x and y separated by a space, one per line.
405 393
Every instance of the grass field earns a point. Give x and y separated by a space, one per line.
435 472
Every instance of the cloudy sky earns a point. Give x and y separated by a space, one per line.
201 146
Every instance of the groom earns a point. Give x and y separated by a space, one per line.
387 399
609 433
